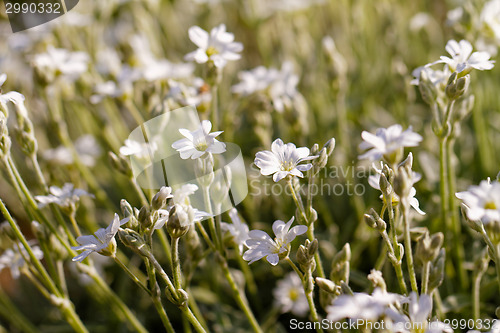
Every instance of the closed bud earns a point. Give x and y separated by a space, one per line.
327 285
427 89
474 225
312 247
403 184
340 265
145 217
321 161
385 186
120 164
315 149
370 221
160 198
179 220
329 146
408 162
126 208
134 241
436 274
313 215
428 247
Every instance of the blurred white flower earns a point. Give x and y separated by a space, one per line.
11 96
387 140
289 295
283 160
420 308
138 149
280 85
237 229
14 258
438 78
463 60
195 93
362 305
255 80
261 245
374 181
454 16
483 201
69 65
66 197
102 241
198 142
86 147
153 69
490 18
218 46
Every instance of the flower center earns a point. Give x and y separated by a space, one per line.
293 294
287 165
211 51
490 205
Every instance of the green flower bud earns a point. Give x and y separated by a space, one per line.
315 149
160 198
436 274
340 265
427 90
329 146
120 163
327 285
145 218
134 241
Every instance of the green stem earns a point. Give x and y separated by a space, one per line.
240 297
425 277
408 249
10 312
396 263
455 220
494 250
131 275
176 264
476 289
74 223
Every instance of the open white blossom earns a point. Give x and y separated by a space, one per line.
387 140
14 258
62 62
289 295
237 229
199 142
362 305
66 196
374 181
138 149
255 80
283 160
194 93
483 201
463 60
218 46
438 78
261 245
102 241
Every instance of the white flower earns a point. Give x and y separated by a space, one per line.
237 229
490 17
66 196
420 308
195 93
483 201
62 62
362 305
438 78
283 160
261 245
197 143
11 96
462 58
138 149
374 181
386 141
280 85
14 258
218 46
86 147
102 241
255 80
289 295
283 88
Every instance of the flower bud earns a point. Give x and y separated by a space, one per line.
403 184
145 217
436 274
120 164
340 265
134 241
428 247
178 221
329 146
315 149
327 285
321 161
385 186
427 89
160 198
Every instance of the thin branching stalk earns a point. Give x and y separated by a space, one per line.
408 249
